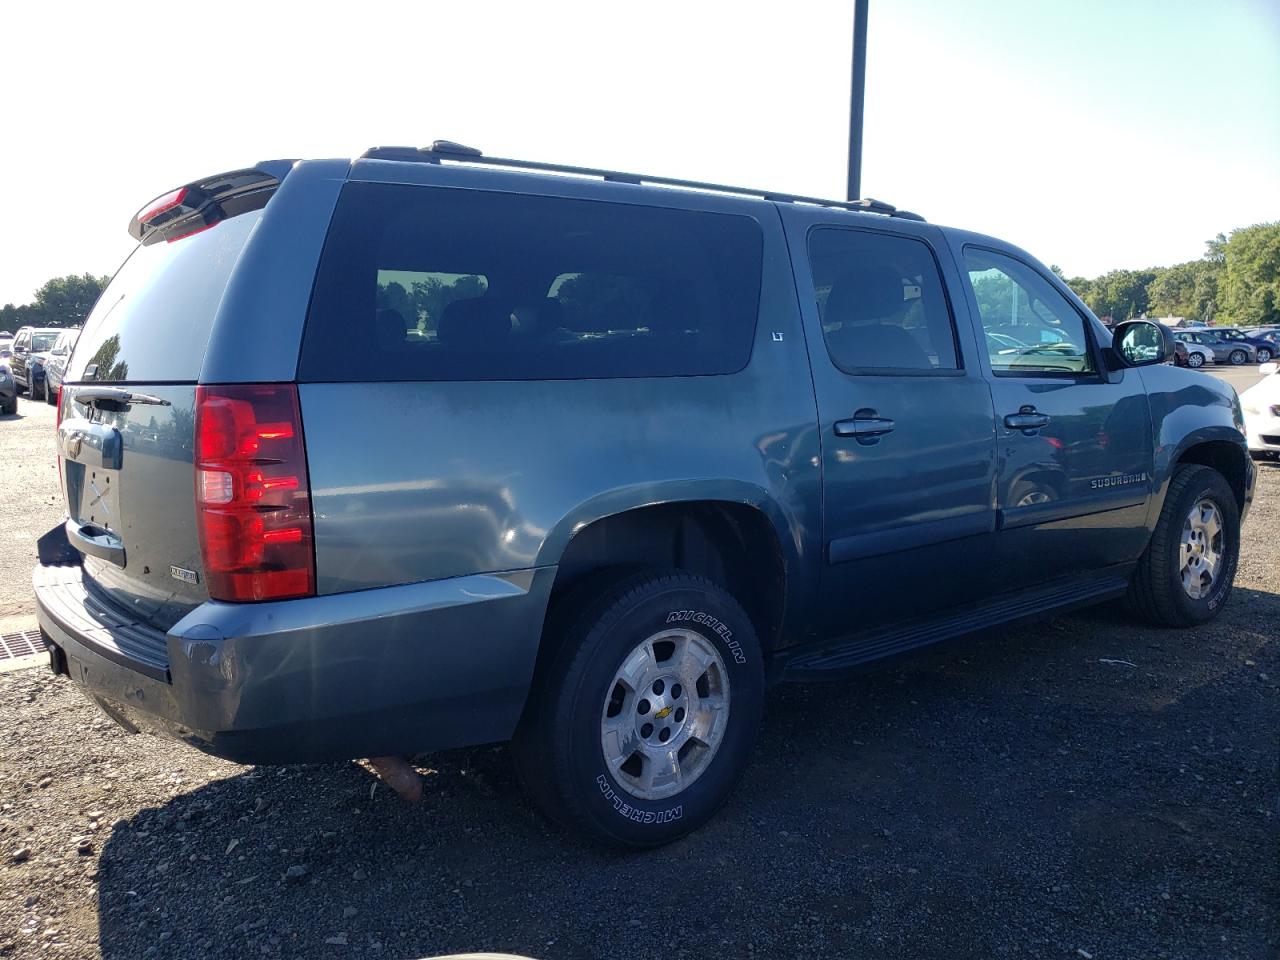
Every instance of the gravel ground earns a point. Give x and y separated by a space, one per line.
30 504
1081 787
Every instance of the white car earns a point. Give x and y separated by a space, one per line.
1198 355
1261 404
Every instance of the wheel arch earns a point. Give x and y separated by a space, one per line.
1228 457
743 543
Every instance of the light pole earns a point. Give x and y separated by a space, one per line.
856 97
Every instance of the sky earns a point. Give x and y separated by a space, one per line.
1097 134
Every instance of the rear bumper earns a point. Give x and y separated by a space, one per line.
384 672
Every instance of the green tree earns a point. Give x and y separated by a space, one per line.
1186 290
66 301
1120 294
1250 284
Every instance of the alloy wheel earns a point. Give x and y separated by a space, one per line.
1200 553
665 714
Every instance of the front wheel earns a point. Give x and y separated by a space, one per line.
1264 355
38 391
1195 360
1238 357
640 725
1185 576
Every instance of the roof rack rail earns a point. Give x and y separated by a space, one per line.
458 153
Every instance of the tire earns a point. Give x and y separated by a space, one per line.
11 407
38 392
1264 355
1195 359
50 396
1157 593
637 625
1238 357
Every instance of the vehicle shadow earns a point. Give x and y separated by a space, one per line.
1040 790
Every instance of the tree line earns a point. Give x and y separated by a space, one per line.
61 302
1235 283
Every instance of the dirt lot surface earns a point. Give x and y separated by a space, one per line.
30 504
1078 788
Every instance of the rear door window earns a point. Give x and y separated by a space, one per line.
153 321
882 303
424 283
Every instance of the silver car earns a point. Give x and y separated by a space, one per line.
1224 351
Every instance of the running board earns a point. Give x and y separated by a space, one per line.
852 652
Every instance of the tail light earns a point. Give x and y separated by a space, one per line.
253 501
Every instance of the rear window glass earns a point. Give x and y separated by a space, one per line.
422 283
152 323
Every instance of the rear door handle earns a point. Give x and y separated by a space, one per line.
1027 418
865 425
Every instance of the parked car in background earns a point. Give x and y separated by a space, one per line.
1224 351
1180 354
6 348
1261 405
1263 347
1198 354
55 362
8 391
30 347
651 446
5 335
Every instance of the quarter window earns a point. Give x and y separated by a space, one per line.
1030 328
425 283
882 303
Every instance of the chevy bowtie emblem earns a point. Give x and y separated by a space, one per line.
662 714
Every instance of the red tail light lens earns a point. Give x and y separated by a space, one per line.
253 500
163 204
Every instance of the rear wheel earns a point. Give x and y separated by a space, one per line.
1186 574
1238 357
641 723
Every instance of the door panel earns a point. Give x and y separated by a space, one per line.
907 427
1074 443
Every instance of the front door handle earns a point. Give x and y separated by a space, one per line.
866 425
1027 418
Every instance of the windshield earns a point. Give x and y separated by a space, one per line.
40 342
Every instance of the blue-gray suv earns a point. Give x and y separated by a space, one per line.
428 449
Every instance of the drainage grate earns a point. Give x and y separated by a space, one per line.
25 644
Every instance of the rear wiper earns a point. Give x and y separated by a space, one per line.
115 397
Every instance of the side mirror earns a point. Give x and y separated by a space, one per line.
1141 343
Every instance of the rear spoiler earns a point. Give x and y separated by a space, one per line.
199 205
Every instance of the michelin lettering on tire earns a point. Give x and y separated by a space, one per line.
714 624
633 813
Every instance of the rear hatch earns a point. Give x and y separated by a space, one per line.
127 410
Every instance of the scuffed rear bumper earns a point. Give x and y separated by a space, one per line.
391 671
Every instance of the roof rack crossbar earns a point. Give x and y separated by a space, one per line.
456 153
